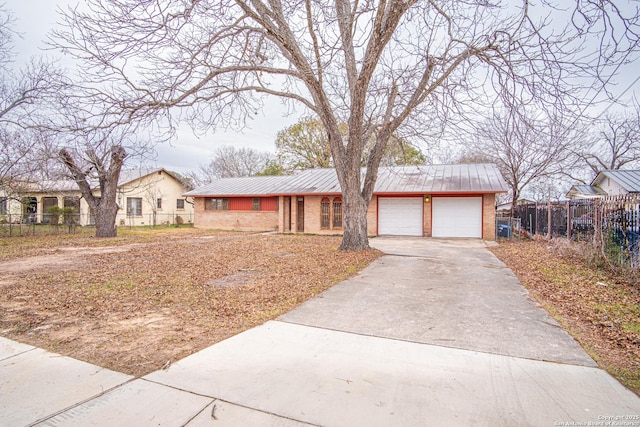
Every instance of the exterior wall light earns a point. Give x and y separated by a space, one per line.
427 199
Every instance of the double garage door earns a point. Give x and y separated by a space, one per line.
451 216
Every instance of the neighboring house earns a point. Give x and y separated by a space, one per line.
583 191
9 207
506 207
144 197
608 183
438 201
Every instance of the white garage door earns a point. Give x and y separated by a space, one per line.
456 216
400 216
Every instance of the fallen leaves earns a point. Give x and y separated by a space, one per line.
600 309
167 296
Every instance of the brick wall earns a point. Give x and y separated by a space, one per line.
372 217
426 216
265 221
234 220
312 216
489 217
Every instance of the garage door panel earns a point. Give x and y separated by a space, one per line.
457 217
400 216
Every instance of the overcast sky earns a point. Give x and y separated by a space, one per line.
35 18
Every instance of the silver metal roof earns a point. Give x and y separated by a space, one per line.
585 190
628 179
464 178
68 185
248 186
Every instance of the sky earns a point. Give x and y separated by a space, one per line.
35 18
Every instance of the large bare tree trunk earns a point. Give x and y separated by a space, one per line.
106 220
354 221
104 207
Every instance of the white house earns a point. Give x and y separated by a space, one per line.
608 183
145 197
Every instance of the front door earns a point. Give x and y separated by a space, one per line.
300 216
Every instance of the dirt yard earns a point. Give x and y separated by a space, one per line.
145 299
596 304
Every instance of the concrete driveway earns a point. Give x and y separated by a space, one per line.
436 332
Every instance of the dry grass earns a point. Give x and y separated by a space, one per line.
150 296
599 307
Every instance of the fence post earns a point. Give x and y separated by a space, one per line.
549 219
597 225
568 219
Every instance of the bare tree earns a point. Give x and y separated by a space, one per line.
615 144
230 162
101 169
94 160
22 93
378 67
526 149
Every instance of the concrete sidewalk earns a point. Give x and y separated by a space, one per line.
437 332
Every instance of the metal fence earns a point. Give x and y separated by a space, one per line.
43 224
611 223
508 228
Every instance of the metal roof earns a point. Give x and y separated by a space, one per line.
463 178
627 179
246 186
583 190
127 176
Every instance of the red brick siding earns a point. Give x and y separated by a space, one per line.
234 220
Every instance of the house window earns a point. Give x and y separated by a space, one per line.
3 207
159 203
325 213
337 212
211 204
134 206
49 205
180 204
72 207
255 204
330 213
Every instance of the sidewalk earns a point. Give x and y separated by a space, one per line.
435 333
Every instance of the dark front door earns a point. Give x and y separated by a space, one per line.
300 216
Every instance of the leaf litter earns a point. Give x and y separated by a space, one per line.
167 295
598 307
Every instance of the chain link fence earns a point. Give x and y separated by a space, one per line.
32 224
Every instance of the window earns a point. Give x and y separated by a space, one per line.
211 204
134 206
180 204
3 207
330 213
159 203
49 210
337 212
72 208
255 204
325 213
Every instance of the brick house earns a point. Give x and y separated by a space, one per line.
435 200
